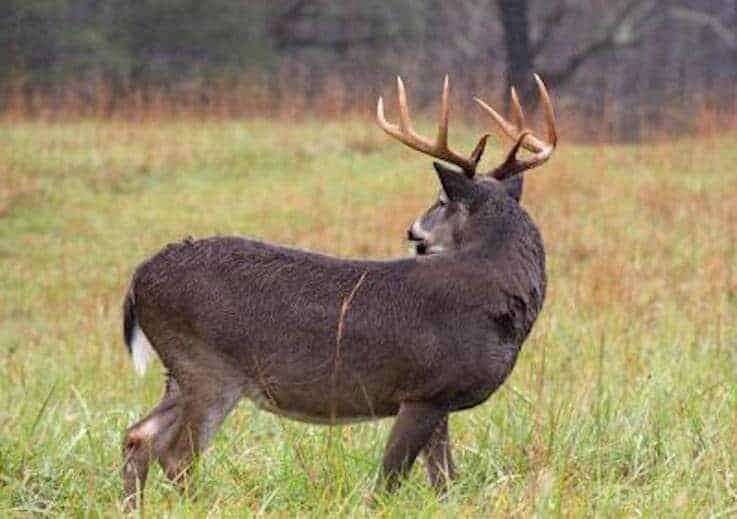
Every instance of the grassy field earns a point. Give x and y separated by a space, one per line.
623 401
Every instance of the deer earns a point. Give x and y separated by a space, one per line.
327 340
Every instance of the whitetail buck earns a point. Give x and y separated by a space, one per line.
327 340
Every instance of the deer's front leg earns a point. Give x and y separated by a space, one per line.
411 432
438 458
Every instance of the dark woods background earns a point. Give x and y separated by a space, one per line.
618 68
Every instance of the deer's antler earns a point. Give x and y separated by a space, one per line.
523 137
439 149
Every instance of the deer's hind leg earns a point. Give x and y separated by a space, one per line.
203 412
147 439
202 388
210 389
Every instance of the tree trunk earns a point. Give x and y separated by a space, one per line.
514 16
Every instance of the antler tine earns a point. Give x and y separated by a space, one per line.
503 124
391 129
404 121
519 115
549 113
380 114
444 113
405 134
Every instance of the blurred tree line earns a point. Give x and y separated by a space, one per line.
621 61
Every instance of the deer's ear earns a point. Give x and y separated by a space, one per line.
456 185
513 186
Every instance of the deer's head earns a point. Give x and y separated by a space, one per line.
471 206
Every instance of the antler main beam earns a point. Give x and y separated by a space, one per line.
439 149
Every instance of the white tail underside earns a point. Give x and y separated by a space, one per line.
141 351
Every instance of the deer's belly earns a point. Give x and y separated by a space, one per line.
316 405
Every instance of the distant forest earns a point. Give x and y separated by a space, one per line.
624 62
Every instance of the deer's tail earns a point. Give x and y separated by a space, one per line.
138 344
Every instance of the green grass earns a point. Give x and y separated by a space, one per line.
623 401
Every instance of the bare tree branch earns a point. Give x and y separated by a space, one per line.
726 34
618 34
